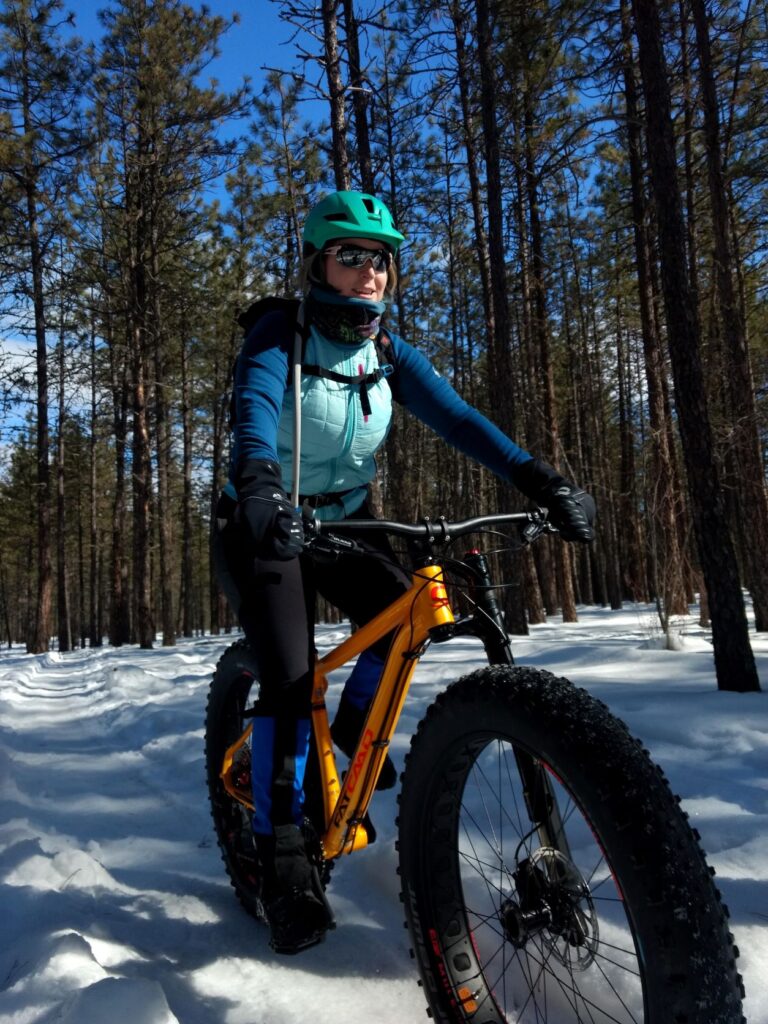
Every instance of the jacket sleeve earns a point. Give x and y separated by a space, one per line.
261 376
431 398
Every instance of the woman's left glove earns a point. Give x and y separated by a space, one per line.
570 508
264 509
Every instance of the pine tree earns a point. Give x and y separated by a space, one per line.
40 80
734 661
663 495
746 455
160 134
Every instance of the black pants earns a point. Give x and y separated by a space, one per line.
274 601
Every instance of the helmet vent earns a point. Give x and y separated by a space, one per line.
351 215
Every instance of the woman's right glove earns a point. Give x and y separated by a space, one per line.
570 508
264 510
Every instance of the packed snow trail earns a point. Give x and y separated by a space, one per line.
115 902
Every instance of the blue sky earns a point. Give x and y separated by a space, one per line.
260 39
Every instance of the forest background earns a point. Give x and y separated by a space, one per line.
583 190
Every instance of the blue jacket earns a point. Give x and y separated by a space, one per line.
338 441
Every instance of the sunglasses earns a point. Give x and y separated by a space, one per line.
355 257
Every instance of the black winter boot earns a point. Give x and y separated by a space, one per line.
294 903
346 728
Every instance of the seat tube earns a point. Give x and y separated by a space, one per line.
329 778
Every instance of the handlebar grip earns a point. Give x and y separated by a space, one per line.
589 505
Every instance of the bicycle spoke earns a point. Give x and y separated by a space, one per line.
490 812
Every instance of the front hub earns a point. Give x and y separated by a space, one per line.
552 900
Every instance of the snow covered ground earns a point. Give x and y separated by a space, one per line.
115 906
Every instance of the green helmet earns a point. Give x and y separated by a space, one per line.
349 215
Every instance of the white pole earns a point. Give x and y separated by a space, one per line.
298 344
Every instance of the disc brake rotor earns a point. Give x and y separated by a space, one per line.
554 903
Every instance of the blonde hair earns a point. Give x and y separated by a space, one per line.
312 271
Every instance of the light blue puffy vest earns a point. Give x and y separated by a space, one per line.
338 442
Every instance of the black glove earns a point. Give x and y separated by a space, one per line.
264 509
571 509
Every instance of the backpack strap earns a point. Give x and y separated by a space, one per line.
362 379
249 317
385 352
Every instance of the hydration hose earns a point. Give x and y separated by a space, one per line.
298 350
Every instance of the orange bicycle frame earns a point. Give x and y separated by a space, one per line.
422 608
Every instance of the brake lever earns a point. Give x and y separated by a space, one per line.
330 545
325 545
537 525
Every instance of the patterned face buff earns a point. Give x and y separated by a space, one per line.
342 319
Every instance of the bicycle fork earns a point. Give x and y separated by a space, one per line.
490 627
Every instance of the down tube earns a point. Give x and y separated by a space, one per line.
422 608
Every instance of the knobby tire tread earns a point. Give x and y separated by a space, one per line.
679 921
229 693
233 688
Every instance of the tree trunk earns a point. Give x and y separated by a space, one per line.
141 469
400 474
335 95
187 562
80 631
359 99
630 523
734 661
541 559
163 442
293 253
120 604
40 634
689 111
540 323
752 523
464 75
4 603
220 418
94 625
138 207
500 375
663 528
590 398
62 587
142 483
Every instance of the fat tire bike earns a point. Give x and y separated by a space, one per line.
548 873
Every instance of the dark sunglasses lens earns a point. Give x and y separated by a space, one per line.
352 256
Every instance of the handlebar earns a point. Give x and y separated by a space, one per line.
439 531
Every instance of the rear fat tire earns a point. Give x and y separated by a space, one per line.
462 837
234 687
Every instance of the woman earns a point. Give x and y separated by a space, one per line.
349 243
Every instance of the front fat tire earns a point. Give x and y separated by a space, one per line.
655 946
